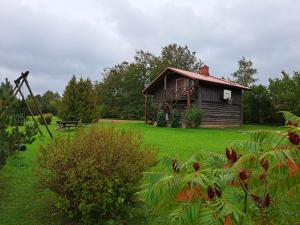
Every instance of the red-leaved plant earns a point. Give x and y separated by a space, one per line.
255 182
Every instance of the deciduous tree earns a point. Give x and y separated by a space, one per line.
245 73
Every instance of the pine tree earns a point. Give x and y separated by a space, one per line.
11 141
86 101
68 109
5 97
79 101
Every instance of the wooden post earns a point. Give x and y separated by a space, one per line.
18 87
37 106
242 92
165 87
145 107
29 109
188 100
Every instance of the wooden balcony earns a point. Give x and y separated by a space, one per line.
173 94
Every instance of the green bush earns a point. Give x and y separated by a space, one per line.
48 118
161 119
176 120
96 174
193 117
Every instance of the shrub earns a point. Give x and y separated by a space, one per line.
96 174
161 119
48 118
193 117
176 120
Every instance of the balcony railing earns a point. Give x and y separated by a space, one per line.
173 94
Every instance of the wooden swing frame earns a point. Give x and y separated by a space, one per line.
17 89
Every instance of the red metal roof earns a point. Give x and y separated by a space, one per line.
196 76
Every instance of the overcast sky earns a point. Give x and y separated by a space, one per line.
55 39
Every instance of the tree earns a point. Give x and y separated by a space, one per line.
68 109
285 92
173 55
79 101
86 101
11 141
245 73
51 102
258 107
32 106
119 92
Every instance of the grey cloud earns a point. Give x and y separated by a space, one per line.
55 39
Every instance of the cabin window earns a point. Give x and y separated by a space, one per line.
183 83
189 83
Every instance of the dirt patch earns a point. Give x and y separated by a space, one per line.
120 121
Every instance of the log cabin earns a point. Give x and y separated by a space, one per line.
173 88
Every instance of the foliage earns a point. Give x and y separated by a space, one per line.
161 119
119 92
285 92
258 107
177 56
193 117
49 102
11 141
79 101
245 73
282 94
254 182
176 119
47 117
23 204
96 173
119 95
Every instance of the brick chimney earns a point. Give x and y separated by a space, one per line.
204 70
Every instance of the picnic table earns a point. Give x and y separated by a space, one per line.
64 124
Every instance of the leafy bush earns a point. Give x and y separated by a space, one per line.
176 120
96 174
253 182
161 119
48 118
193 117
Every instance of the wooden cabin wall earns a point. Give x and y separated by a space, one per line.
159 95
219 112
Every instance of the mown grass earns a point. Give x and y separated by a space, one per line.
23 202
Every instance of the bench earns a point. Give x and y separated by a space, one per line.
63 124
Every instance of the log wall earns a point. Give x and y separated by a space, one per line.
220 112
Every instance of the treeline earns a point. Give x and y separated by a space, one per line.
119 93
49 102
263 102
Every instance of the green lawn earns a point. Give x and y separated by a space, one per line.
24 203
